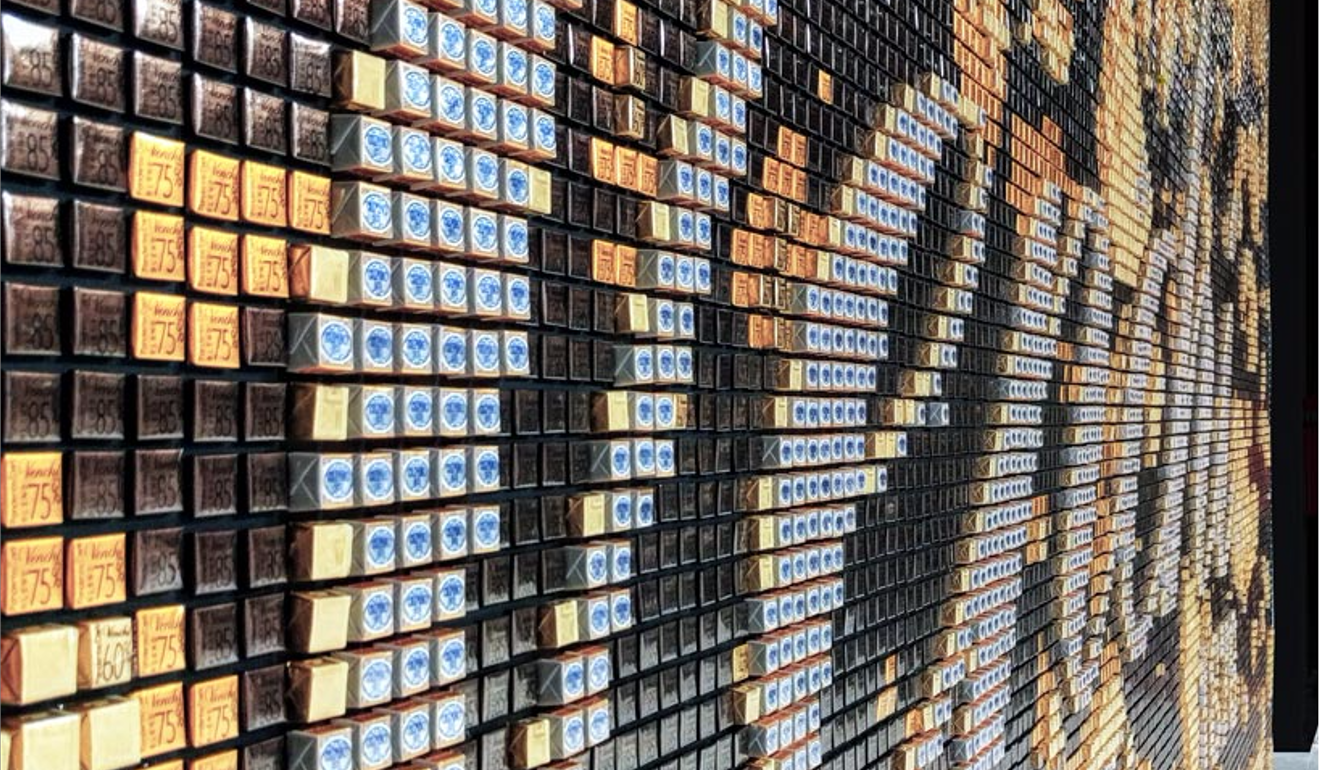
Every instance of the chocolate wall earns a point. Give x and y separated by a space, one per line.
616 385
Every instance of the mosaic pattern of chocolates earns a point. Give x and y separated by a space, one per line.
635 385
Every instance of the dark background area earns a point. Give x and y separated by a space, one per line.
1292 270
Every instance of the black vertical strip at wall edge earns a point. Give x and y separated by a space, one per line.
1292 232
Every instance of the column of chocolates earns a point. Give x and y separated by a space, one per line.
1190 349
654 318
1146 386
1136 395
1034 282
145 224
667 170
790 578
993 552
826 277
407 325
645 313
1078 604
1214 475
888 186
981 626
1117 515
1132 623
982 729
1112 524
1067 551
831 255
633 451
1168 446
1109 521
843 264
967 683
1115 523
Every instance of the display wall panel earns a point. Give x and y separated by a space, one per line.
613 385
